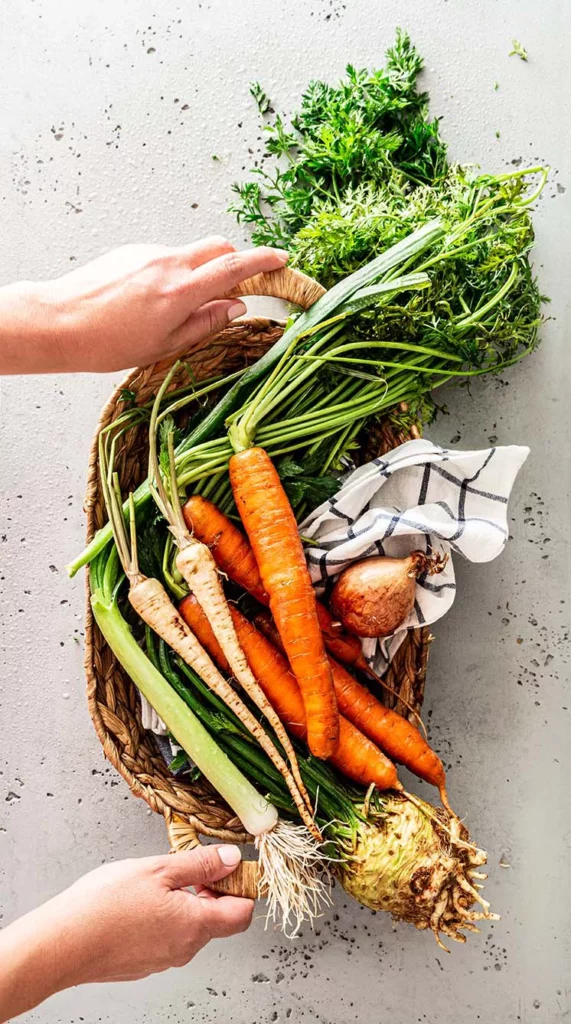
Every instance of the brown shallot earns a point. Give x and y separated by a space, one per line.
372 598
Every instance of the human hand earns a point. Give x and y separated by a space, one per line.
130 307
120 922
136 917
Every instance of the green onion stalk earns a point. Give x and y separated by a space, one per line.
254 811
391 852
453 299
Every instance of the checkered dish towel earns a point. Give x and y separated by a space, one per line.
418 496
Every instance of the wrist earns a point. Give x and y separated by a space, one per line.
33 330
37 959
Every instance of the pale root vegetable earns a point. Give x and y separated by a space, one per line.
373 598
271 527
197 566
419 867
356 756
151 602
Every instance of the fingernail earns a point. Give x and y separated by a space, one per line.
283 254
238 309
230 855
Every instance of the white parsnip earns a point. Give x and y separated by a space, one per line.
198 568
152 603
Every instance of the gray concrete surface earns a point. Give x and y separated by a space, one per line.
110 115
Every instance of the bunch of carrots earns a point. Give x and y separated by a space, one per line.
315 695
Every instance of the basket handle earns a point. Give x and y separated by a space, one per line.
285 283
244 881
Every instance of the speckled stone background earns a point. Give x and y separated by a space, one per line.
110 116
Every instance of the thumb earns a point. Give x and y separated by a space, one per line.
209 319
202 865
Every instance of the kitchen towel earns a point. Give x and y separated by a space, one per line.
417 496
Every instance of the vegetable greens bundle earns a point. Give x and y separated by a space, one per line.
361 167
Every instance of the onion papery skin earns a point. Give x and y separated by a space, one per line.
372 598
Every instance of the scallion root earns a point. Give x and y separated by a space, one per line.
294 876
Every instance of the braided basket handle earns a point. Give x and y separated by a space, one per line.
291 285
244 881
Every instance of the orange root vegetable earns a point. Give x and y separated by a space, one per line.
199 623
356 756
399 738
271 527
341 645
372 598
396 736
344 648
231 550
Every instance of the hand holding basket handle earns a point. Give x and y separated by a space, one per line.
133 306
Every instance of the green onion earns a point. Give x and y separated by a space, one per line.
254 811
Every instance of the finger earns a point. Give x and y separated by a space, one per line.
209 319
215 279
202 865
205 249
228 915
205 894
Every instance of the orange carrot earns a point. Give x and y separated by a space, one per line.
356 756
197 619
272 530
234 556
397 737
339 643
231 550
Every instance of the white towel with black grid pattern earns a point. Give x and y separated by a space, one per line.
418 496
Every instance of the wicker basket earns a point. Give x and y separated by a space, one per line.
193 810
